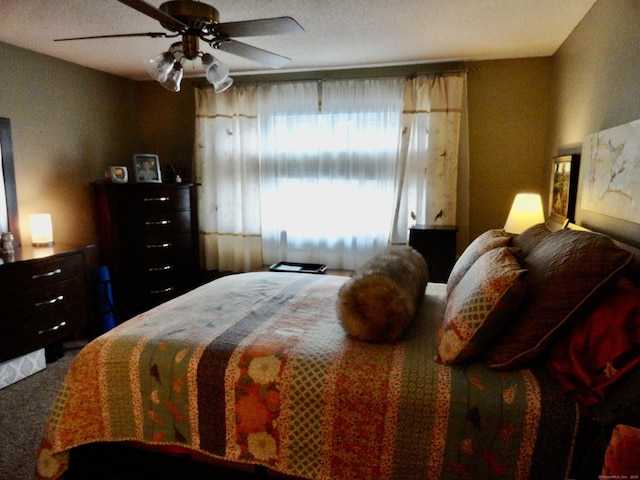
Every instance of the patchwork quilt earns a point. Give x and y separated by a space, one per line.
256 368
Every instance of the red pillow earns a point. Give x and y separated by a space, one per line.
600 348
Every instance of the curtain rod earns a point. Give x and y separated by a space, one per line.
414 70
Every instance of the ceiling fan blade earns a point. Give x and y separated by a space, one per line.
254 28
147 34
153 12
253 53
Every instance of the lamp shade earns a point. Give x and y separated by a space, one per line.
41 230
526 211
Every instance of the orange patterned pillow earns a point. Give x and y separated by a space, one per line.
487 241
486 297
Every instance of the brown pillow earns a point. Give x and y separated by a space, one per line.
380 300
483 301
487 241
568 270
531 237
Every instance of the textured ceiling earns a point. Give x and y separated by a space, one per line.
338 33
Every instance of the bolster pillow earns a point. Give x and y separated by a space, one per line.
378 303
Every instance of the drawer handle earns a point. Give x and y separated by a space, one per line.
164 290
160 269
159 245
159 222
156 199
57 271
52 329
59 298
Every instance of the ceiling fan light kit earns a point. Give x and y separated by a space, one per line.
195 21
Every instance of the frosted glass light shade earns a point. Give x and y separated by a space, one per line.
41 230
159 66
223 85
526 211
172 83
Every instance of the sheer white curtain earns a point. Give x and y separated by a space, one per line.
227 166
328 156
429 160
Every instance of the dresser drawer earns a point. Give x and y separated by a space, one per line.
155 250
34 275
151 199
45 302
29 335
156 223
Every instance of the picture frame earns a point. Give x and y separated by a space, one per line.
147 168
564 186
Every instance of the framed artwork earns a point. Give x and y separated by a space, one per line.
147 168
611 171
564 186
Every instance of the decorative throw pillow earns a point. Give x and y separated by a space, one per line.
487 241
380 300
531 237
486 297
568 271
601 348
622 457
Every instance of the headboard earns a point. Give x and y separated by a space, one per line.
8 197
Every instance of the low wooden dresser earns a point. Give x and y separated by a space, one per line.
148 237
45 296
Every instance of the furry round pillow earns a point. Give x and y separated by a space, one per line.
379 301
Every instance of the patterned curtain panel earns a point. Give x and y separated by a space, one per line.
427 168
227 166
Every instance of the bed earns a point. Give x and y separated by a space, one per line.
257 369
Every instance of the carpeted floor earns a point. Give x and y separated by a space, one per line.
24 409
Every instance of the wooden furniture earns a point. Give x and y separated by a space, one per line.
45 297
437 245
148 237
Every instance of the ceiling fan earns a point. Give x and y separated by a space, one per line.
195 21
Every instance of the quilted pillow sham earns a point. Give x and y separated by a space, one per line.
530 238
487 241
568 270
483 301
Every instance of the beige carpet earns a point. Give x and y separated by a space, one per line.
24 409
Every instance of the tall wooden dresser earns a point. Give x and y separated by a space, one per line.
45 296
148 237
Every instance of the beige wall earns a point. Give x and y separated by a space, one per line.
68 123
508 110
167 126
596 85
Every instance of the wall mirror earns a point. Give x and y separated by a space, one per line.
8 196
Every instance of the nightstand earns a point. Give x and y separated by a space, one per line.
437 245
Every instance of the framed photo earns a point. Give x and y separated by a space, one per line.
564 186
147 168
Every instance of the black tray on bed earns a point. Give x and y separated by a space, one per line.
298 267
